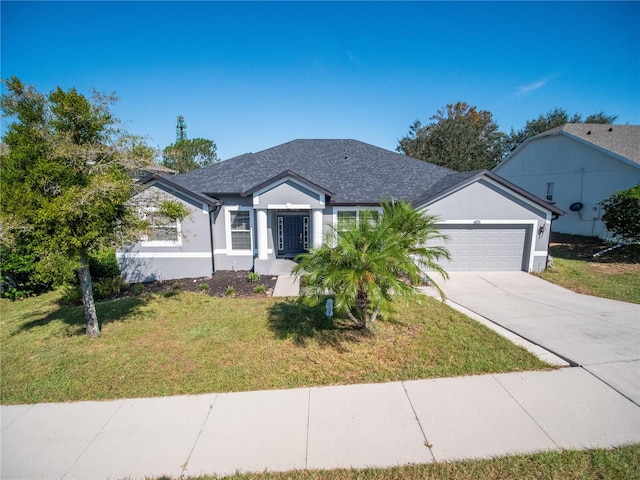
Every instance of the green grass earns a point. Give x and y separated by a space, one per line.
187 343
616 281
617 464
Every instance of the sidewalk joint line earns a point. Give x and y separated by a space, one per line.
18 417
415 414
526 411
185 465
608 384
306 451
93 439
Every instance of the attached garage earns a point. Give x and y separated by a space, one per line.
486 247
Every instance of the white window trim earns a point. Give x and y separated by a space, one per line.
144 239
227 219
352 209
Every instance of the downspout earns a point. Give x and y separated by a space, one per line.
213 257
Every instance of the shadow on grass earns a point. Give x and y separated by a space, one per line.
292 319
73 316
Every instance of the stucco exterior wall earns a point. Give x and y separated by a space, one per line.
141 262
487 203
579 172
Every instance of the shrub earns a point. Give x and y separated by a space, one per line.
622 214
203 287
229 291
260 288
18 269
253 277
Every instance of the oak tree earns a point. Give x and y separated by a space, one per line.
460 137
66 173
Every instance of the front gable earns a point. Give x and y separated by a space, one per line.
288 191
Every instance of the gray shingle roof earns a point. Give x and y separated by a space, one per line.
348 171
354 172
623 140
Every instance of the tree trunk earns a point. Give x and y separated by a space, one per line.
93 329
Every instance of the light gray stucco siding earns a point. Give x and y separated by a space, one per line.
486 203
189 257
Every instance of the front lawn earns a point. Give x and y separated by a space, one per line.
187 343
613 274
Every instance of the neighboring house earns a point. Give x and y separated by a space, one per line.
156 169
576 166
256 210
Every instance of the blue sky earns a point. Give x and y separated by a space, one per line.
253 75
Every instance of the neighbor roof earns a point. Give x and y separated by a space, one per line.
622 140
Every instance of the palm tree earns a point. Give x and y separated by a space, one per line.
371 262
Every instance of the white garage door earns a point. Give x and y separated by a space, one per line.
485 247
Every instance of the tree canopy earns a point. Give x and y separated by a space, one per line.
189 154
66 181
552 119
460 137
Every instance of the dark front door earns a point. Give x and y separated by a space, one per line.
293 234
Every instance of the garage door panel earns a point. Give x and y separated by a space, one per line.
484 247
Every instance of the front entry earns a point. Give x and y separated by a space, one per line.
293 235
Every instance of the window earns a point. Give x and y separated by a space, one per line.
240 227
162 231
550 192
347 218
369 216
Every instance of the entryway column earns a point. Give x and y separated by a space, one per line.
261 227
316 227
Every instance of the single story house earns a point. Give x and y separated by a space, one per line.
576 166
256 210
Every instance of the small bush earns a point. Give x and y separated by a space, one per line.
138 288
260 288
253 277
109 287
176 287
203 287
622 214
230 291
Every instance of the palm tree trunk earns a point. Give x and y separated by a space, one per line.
84 277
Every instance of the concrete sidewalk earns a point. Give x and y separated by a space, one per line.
317 428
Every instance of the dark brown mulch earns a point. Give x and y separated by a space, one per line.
583 248
217 285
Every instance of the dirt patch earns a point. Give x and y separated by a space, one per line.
584 248
220 284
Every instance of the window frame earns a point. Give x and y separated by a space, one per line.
357 210
550 188
228 221
147 214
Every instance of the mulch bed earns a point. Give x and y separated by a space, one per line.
583 248
220 284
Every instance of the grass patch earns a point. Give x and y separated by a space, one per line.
188 343
617 281
617 464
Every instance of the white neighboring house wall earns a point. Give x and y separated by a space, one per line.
566 171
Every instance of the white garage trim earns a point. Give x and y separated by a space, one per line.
529 240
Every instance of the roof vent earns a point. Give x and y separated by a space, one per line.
611 129
588 132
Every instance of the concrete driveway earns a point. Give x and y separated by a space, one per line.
602 336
